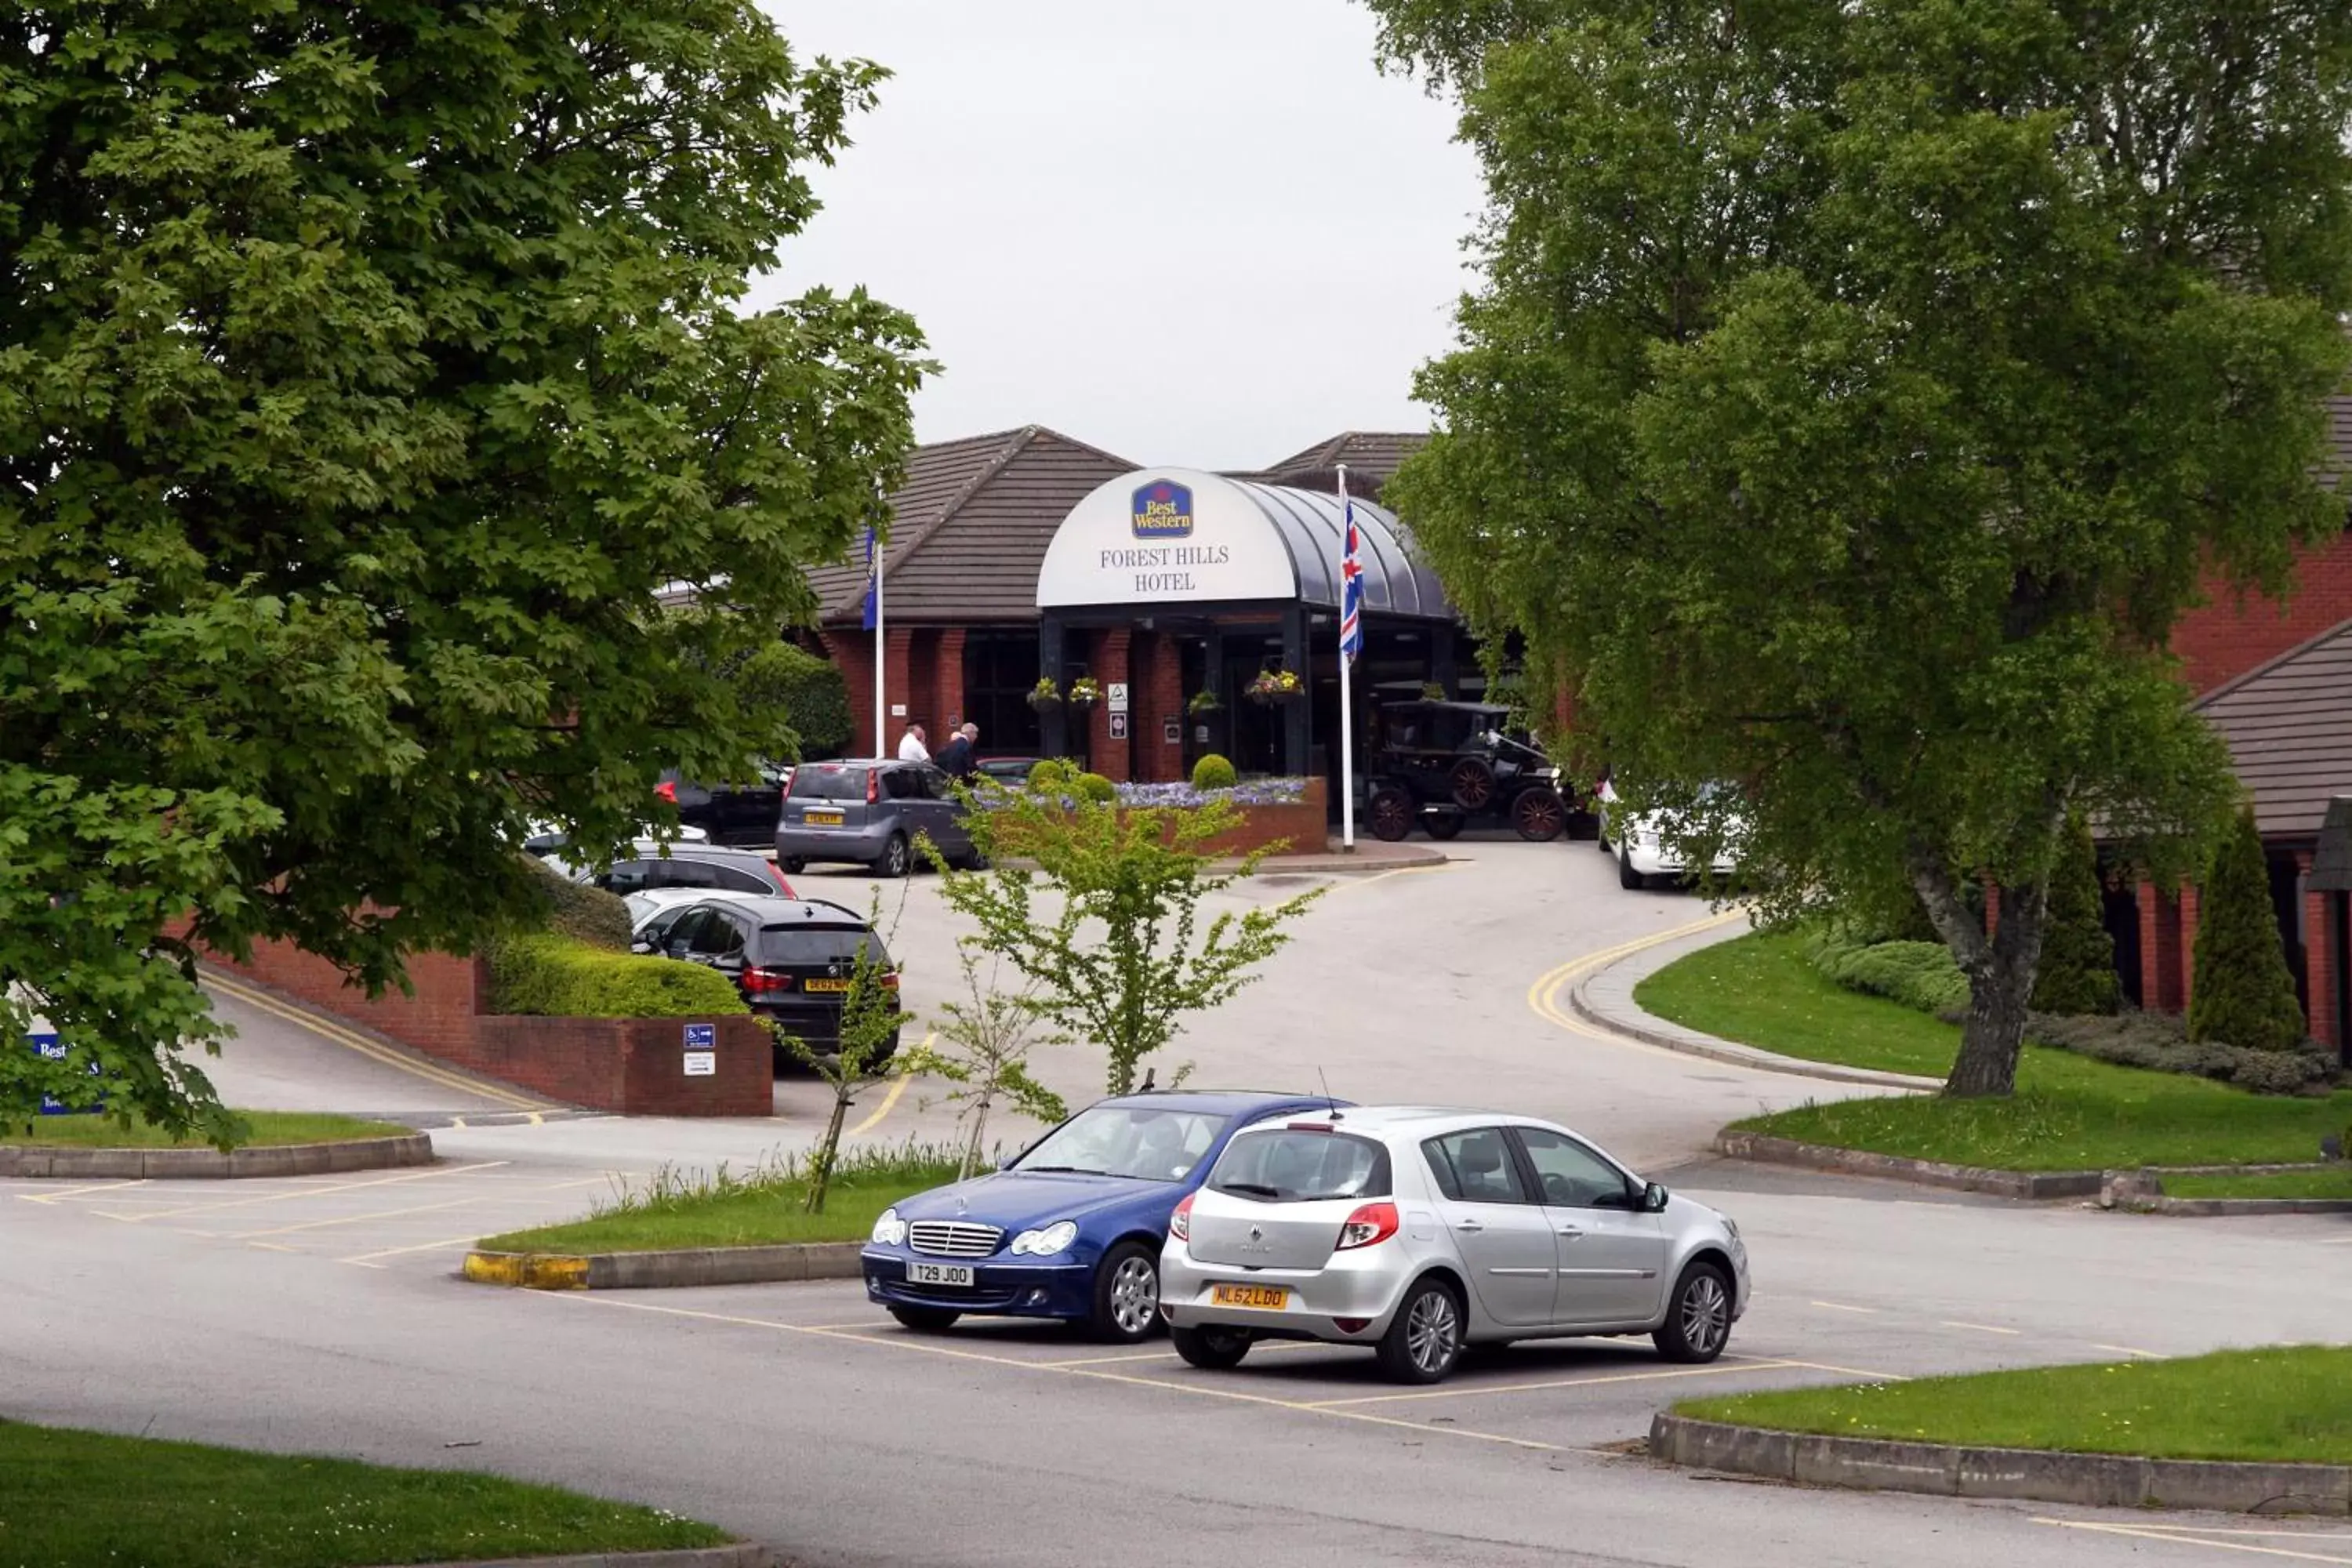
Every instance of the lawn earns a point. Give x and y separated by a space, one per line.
721 1208
79 1499
269 1128
2070 1112
2274 1405
2336 1181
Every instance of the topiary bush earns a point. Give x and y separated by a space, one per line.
2242 992
558 976
1213 771
1053 776
1919 974
577 910
2077 973
1096 789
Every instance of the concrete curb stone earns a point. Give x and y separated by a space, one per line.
2032 1186
2088 1480
739 1555
185 1164
682 1268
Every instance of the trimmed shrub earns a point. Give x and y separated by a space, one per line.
2077 974
1097 789
2243 992
1053 776
577 910
807 692
1918 974
1213 771
2160 1042
557 976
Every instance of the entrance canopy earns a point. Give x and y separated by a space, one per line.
1167 539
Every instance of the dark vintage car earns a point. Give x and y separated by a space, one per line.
1441 765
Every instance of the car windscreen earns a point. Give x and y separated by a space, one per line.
1291 1166
807 945
1151 1143
828 781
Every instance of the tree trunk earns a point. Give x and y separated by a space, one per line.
821 1164
2000 986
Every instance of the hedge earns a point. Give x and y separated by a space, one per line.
584 914
1919 974
558 976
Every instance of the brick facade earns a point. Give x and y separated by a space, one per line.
1159 697
634 1066
2225 637
1112 759
2320 979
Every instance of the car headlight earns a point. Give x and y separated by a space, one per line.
1044 1243
889 1231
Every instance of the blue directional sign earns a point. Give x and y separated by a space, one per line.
49 1047
702 1036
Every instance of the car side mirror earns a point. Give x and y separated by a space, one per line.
1654 1199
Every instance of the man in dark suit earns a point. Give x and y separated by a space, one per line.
958 758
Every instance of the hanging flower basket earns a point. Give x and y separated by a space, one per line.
1273 686
1203 704
1085 693
1045 695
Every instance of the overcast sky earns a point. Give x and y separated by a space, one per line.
1205 231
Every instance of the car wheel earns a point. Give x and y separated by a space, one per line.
1126 1295
1472 780
1425 1339
1540 815
1698 1316
792 865
926 1319
1446 824
1392 814
894 860
1213 1350
1627 877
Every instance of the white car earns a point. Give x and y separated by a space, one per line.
1415 1231
1641 846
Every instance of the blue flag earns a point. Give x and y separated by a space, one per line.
869 580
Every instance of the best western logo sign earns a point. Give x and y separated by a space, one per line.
1163 509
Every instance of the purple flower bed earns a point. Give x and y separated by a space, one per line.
1258 792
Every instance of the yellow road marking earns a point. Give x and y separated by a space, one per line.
1849 1371
1353 880
1198 1390
352 1040
61 1192
891 1100
1982 1328
307 1192
358 1219
1270 1345
2144 1532
1842 1307
273 1247
1467 1391
368 1258
1543 997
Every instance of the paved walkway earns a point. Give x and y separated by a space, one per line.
1606 998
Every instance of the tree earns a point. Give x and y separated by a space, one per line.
871 1020
2241 992
983 1045
367 369
2077 972
1115 947
1857 394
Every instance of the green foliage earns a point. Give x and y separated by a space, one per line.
807 696
1096 789
2243 991
1213 771
1919 974
2077 972
1814 468
558 977
367 369
1115 949
578 910
2160 1042
982 1047
1052 776
870 1021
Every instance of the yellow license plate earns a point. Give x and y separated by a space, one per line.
826 986
823 819
1273 1297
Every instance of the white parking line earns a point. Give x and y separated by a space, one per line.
295 1194
2177 1536
367 1259
1467 1391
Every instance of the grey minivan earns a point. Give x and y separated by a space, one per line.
870 813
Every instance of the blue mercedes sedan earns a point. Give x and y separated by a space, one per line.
1071 1228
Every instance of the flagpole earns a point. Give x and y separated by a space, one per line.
1347 698
881 665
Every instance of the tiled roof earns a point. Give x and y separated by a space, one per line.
2288 725
1373 456
969 524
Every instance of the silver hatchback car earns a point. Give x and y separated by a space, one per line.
1416 1231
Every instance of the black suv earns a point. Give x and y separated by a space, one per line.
793 959
687 865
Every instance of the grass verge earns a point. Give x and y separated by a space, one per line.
2333 1183
2070 1112
2282 1405
270 1129
678 1208
79 1500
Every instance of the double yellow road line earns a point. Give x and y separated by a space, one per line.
352 1040
1545 996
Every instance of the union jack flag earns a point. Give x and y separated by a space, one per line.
1352 594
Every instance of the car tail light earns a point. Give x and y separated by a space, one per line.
667 790
1367 1226
1351 1325
889 980
756 980
873 786
1180 1224
778 873
1309 1127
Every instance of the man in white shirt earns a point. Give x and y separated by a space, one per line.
910 745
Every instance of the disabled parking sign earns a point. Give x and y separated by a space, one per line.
701 1050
